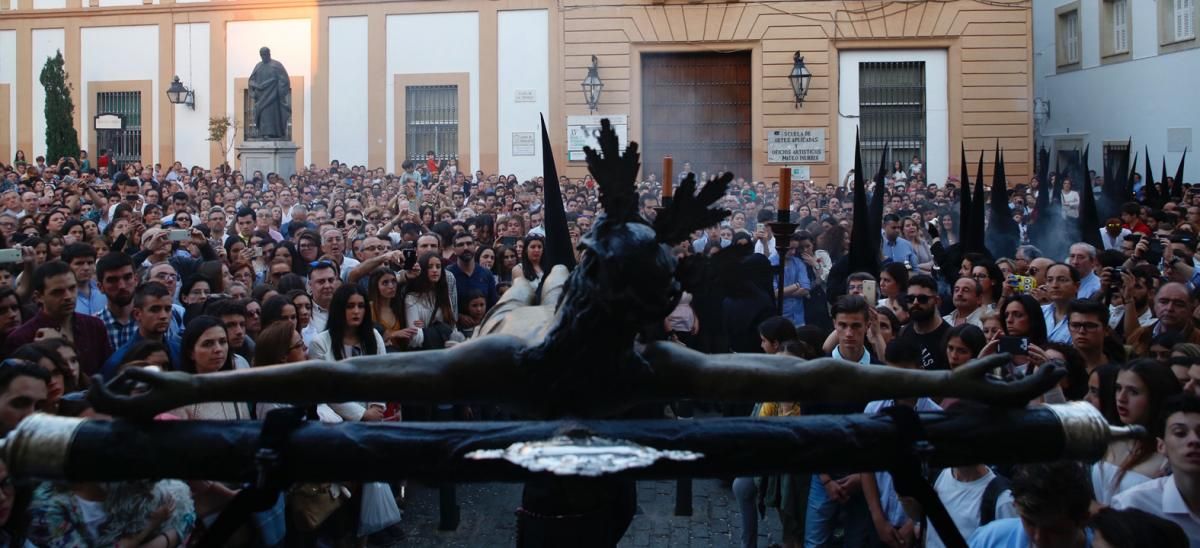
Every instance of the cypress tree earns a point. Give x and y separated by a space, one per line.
61 139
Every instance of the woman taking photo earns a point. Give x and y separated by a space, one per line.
1022 317
206 350
387 306
428 306
1142 388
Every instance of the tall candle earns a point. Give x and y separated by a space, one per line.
668 182
785 188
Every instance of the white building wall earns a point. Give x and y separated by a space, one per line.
112 3
46 44
408 52
1141 98
290 41
192 67
937 112
8 75
49 5
348 45
119 53
523 53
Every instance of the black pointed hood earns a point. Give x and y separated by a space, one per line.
1177 190
1149 193
558 236
1089 215
1042 207
877 197
964 198
978 212
864 238
1003 234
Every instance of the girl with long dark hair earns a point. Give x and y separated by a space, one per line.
533 261
387 306
349 333
206 350
428 306
1143 386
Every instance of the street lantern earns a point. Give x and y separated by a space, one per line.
800 78
178 94
592 85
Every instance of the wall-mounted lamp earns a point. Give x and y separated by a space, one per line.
800 78
592 85
178 94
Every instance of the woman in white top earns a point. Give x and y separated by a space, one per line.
206 350
428 306
349 333
1142 388
1070 200
533 260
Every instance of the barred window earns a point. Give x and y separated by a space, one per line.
124 145
891 99
431 122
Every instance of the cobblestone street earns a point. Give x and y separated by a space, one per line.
487 517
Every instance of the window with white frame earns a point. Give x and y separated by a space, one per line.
1183 19
1068 38
1120 26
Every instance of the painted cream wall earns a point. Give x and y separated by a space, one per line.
348 84
137 49
46 43
290 41
192 67
111 3
937 121
49 4
523 55
8 75
406 54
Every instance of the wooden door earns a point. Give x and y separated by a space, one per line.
696 108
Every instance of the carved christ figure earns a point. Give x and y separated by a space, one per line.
575 354
271 90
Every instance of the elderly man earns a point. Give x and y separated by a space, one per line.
967 298
1082 257
1173 306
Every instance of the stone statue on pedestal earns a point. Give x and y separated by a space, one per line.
271 90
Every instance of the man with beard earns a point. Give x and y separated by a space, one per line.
54 284
925 326
115 272
152 312
468 277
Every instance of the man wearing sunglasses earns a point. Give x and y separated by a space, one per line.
926 326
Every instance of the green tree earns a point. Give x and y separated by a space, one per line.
61 139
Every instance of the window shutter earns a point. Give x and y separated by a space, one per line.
1120 27
1184 14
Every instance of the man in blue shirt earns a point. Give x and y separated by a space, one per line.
1082 257
796 282
470 277
1062 281
1052 500
82 259
895 248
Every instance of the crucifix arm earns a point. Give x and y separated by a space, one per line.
468 371
684 373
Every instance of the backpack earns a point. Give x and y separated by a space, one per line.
991 494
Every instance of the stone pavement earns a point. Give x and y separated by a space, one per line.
487 517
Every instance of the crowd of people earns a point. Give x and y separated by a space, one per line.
108 267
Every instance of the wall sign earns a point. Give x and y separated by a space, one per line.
523 144
108 121
524 96
801 173
582 131
795 146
